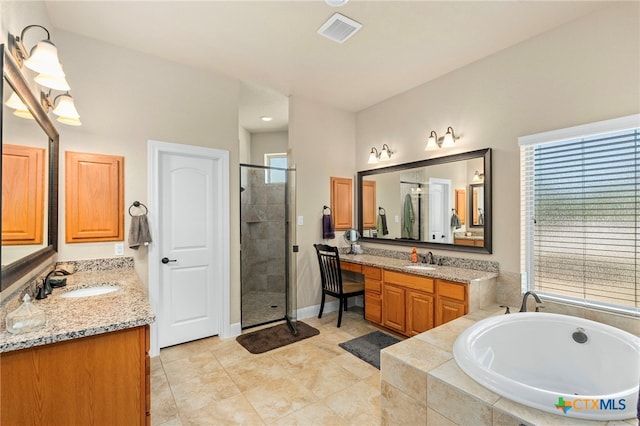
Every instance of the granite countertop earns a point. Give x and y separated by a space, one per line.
72 318
462 275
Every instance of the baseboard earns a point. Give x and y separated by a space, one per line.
312 311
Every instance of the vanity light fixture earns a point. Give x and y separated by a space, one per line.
383 155
448 141
432 141
373 156
477 177
63 107
336 3
449 138
42 59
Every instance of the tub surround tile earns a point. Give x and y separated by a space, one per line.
506 411
398 408
451 374
456 405
444 336
436 419
69 318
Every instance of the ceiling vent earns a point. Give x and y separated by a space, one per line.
339 28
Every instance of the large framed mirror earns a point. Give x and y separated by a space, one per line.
18 259
439 203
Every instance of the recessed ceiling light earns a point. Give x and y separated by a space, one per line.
336 3
266 118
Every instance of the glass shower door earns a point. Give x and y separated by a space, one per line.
266 240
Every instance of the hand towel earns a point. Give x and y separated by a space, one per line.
139 232
408 217
328 232
455 221
382 224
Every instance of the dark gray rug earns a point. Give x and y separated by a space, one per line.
368 347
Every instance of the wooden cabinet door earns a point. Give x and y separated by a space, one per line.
448 310
99 380
94 198
393 312
369 210
342 203
461 205
419 312
22 195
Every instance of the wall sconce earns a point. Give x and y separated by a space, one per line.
63 107
477 177
383 155
43 59
447 141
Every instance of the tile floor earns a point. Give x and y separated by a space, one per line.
311 382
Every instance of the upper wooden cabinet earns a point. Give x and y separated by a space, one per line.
342 203
461 205
369 213
22 194
94 198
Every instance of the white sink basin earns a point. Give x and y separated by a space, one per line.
421 267
90 291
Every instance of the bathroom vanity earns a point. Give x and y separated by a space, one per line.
411 298
89 364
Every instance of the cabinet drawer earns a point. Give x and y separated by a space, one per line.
372 272
451 290
353 267
410 281
372 285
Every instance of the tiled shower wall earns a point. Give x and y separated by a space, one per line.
263 234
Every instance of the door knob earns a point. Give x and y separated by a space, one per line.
166 260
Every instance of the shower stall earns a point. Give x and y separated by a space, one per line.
267 245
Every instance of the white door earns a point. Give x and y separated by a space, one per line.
439 202
189 257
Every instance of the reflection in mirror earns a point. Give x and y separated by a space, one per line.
476 204
38 134
424 203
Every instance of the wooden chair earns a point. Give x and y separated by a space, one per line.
332 282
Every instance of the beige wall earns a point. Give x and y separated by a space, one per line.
267 143
585 71
322 140
126 98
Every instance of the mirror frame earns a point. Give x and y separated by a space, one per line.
485 154
12 74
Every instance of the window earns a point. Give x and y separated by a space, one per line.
279 161
580 214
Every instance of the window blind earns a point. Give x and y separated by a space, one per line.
581 217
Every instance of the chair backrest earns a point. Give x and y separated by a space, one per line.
330 272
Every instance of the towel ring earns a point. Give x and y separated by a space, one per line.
138 204
381 211
326 208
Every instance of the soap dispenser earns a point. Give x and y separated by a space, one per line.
26 318
414 256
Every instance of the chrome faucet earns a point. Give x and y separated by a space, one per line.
429 259
523 308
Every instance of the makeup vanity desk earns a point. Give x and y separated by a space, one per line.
410 298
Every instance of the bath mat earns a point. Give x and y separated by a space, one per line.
368 347
274 337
